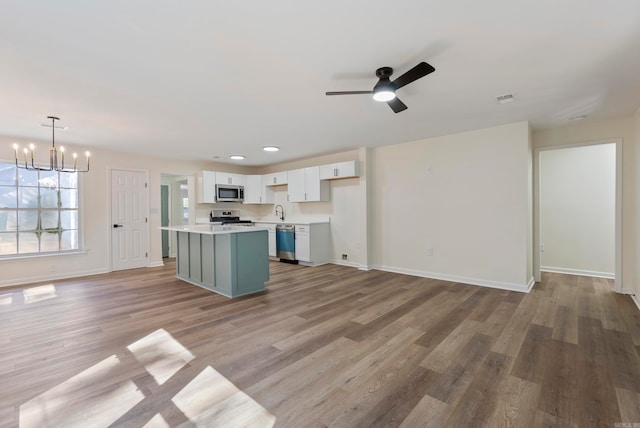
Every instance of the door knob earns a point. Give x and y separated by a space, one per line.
118 225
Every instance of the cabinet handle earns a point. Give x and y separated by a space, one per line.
305 196
275 180
335 172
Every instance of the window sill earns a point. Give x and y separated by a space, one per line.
14 257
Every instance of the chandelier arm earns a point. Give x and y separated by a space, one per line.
53 156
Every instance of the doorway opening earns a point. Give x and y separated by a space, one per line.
177 208
578 210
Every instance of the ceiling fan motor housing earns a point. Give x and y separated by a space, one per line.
384 72
384 83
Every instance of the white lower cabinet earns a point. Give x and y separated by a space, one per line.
312 243
271 229
303 249
271 235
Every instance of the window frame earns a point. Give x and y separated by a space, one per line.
77 244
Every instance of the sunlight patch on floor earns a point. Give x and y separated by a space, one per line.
6 299
160 354
38 294
210 400
70 405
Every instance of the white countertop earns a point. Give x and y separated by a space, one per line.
293 220
207 229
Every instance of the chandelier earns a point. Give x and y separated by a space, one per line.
29 154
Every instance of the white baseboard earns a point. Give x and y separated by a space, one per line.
51 277
351 264
523 288
636 300
156 264
580 272
344 263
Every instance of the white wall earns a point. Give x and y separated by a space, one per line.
467 196
577 210
588 131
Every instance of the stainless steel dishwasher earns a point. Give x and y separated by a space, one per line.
286 242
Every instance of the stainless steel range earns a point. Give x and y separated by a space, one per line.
228 217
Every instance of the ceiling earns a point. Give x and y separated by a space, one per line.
205 78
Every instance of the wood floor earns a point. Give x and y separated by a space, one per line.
324 346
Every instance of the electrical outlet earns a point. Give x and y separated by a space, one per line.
542 248
429 251
344 257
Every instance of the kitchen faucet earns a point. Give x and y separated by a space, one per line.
281 216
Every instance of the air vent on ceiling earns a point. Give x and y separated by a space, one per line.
504 99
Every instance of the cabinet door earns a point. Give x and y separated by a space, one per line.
253 189
272 240
312 183
206 187
296 188
303 249
339 170
327 172
347 169
315 189
275 178
229 178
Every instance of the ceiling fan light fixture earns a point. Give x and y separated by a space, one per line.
383 95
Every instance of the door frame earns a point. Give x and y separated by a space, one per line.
618 208
110 170
169 241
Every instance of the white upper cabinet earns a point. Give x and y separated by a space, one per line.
206 187
305 185
275 178
252 189
339 170
229 178
255 192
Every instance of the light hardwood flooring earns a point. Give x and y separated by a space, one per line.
324 346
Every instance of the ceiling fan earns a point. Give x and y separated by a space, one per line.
385 89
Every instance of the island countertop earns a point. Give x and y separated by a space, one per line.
212 229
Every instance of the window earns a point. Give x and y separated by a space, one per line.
38 211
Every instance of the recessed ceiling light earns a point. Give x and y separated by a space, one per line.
236 157
270 148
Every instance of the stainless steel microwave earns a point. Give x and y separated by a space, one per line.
229 193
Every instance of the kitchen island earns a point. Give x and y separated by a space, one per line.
229 260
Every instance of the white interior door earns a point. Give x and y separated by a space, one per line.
129 210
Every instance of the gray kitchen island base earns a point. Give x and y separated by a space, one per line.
235 263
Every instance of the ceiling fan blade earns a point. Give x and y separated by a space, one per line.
414 74
397 105
349 92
